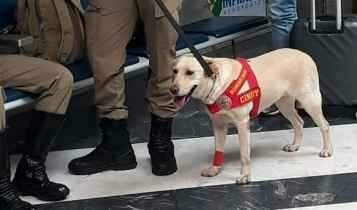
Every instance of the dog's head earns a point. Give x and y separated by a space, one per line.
187 75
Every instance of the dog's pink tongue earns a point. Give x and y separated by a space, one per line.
180 102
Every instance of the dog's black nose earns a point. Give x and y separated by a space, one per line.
174 90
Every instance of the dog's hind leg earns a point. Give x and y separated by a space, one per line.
220 132
312 104
286 106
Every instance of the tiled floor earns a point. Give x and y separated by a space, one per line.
280 180
279 194
340 206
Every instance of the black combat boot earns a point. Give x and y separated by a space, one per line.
31 178
9 198
113 153
160 146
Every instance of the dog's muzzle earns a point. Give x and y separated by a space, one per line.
181 101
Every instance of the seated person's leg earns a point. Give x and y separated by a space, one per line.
53 85
9 199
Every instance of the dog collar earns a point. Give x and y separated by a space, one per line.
231 99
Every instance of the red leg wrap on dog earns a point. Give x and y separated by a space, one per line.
218 159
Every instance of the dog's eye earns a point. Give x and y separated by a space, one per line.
175 71
189 73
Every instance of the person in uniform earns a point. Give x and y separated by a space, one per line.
109 27
52 84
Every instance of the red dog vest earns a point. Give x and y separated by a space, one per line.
231 99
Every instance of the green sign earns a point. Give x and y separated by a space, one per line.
216 6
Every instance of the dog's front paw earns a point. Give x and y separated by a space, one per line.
291 148
325 153
211 171
243 179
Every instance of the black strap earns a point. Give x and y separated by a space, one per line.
187 42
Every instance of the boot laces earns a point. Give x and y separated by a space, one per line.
37 171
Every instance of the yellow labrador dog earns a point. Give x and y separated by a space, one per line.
284 76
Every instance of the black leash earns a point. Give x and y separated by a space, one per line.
187 42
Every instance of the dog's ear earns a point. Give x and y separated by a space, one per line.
213 66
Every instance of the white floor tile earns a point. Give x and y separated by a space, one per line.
269 162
